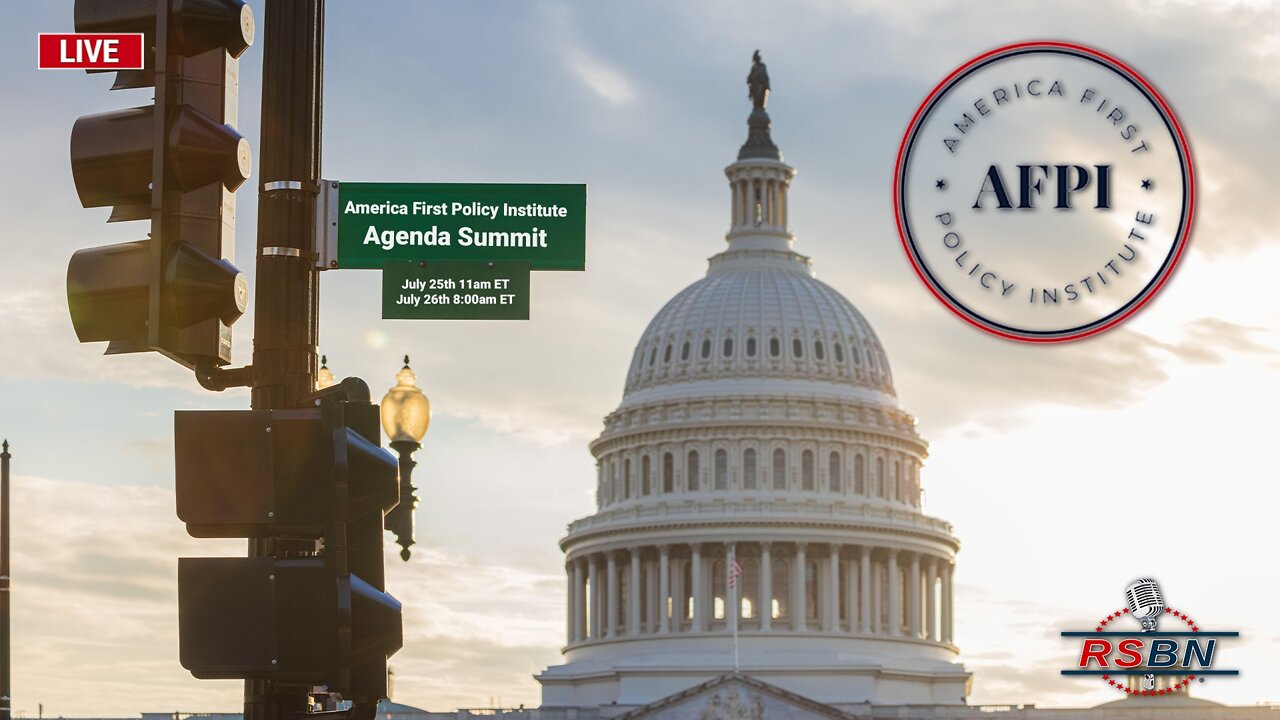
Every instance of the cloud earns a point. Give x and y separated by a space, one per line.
1208 338
606 81
602 78
469 673
95 598
95 610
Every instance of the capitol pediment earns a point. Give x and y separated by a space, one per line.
735 697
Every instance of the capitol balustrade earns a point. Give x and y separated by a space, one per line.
695 511
829 588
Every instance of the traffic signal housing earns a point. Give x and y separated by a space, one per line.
177 164
315 484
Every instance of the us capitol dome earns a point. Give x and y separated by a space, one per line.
760 424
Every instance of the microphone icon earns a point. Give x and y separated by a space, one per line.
1146 604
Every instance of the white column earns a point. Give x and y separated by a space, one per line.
593 577
877 599
611 595
735 204
913 595
798 602
651 596
947 570
930 599
633 594
678 603
895 595
579 601
774 210
831 613
766 588
775 204
740 199
699 589
664 585
568 604
782 192
864 594
851 593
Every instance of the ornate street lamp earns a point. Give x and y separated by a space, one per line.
406 413
324 377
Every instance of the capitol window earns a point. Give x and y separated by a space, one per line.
797 347
645 486
833 471
806 470
859 481
722 470
684 351
857 356
717 589
818 352
628 486
691 482
779 469
775 347
653 355
751 347
781 604
728 347
749 584
749 469
838 349
668 474
879 479
897 480
666 354
706 348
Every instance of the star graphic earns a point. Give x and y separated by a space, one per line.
941 184
1146 184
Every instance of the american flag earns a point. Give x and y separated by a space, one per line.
734 571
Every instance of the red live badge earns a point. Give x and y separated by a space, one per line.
91 51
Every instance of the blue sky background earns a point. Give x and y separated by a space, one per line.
645 102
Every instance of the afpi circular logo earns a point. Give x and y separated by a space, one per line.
1044 191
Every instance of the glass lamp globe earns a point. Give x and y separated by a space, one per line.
406 411
324 378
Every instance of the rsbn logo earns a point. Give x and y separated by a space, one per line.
1148 661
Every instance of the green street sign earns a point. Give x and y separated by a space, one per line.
455 291
543 225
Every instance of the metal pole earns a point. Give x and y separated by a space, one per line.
287 293
6 689
400 519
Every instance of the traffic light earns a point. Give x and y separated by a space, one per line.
317 484
177 164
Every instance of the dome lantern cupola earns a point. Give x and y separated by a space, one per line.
759 180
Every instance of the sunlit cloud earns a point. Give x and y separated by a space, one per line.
607 82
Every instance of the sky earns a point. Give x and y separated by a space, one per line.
1067 470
